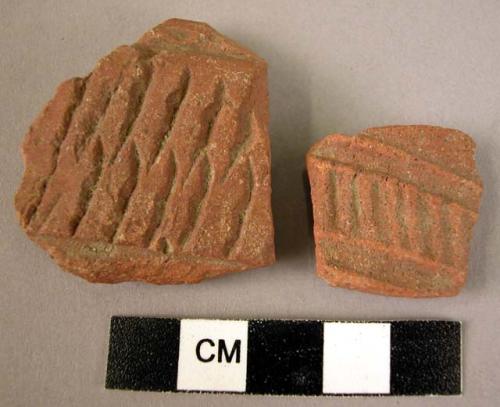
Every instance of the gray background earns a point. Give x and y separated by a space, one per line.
334 66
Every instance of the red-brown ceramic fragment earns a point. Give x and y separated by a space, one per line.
394 209
156 166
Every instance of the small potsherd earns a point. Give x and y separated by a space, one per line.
156 166
394 208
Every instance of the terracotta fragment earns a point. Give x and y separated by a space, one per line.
394 209
156 166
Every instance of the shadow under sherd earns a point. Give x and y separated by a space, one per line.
290 140
482 244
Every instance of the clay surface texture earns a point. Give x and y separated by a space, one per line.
394 209
156 166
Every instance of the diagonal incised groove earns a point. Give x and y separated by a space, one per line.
198 204
401 216
88 186
244 213
33 210
216 106
49 213
137 165
447 254
174 102
241 147
356 206
378 212
163 204
199 155
164 246
424 223
136 112
213 110
422 157
211 113
67 124
83 144
332 200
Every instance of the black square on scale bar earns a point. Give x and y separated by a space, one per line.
425 357
285 357
143 354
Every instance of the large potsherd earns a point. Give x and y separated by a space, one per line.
156 166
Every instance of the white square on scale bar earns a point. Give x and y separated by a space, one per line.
356 358
212 355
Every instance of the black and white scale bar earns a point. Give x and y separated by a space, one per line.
285 356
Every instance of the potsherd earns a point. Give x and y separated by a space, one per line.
156 166
394 208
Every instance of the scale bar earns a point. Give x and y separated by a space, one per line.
285 357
